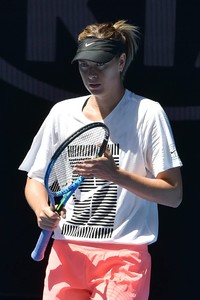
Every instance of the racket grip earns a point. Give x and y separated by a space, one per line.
40 248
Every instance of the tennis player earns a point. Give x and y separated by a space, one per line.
100 248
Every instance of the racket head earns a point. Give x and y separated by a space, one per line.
88 142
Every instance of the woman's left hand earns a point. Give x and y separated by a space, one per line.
102 167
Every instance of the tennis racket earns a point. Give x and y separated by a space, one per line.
88 142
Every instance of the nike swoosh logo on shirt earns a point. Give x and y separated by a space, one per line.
82 196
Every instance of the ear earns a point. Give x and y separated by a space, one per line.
122 61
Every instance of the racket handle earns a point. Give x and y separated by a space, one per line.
40 248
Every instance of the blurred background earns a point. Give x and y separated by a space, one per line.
38 41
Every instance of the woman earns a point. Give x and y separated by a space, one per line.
141 165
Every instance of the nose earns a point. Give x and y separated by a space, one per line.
92 74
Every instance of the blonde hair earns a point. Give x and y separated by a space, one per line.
128 34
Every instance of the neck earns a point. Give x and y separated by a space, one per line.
99 107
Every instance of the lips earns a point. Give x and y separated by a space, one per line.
93 85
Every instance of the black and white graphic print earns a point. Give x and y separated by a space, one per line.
95 204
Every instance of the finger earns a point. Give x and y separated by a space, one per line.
63 213
52 207
107 152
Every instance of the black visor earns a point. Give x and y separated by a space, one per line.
98 50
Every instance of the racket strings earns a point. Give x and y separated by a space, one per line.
85 146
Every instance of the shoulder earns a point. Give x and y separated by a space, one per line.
145 106
71 103
142 101
63 109
67 107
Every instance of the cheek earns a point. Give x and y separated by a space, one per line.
113 74
83 75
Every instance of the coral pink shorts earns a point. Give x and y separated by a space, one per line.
85 271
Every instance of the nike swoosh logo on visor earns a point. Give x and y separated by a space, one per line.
89 44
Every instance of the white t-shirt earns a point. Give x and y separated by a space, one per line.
141 141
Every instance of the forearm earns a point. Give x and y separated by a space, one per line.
158 190
36 195
165 189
